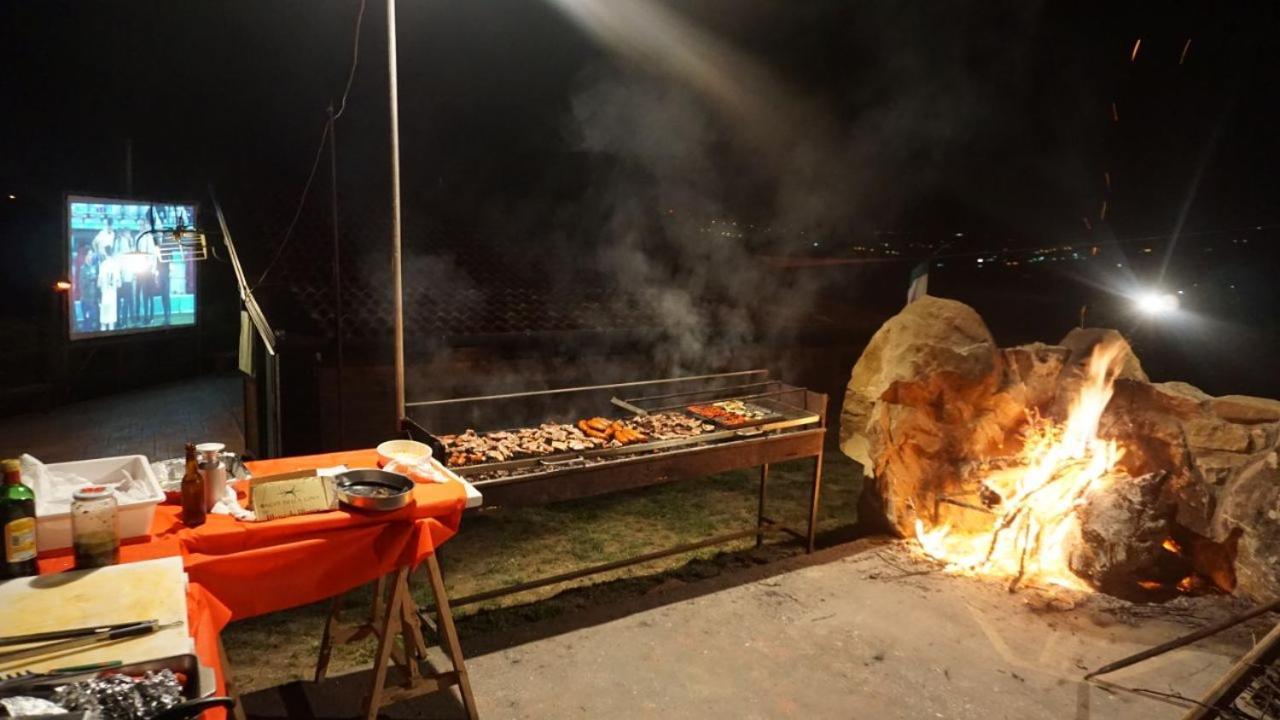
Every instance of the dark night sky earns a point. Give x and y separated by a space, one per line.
988 117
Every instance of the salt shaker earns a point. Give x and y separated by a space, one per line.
94 530
214 472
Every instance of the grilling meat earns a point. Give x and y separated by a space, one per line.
472 448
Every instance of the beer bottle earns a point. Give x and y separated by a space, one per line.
193 500
17 522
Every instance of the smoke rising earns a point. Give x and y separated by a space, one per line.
687 135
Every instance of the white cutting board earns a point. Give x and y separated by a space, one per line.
105 596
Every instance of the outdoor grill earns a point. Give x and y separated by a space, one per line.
794 428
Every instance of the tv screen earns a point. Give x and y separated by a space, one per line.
127 268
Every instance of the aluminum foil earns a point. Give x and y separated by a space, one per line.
19 706
121 697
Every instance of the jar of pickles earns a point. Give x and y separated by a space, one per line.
95 532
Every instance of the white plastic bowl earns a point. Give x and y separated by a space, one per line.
407 452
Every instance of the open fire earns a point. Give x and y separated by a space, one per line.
1034 502
1061 465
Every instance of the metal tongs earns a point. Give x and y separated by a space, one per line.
75 638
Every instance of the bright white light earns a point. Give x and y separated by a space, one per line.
1156 303
136 262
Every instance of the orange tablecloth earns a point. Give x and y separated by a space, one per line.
239 569
257 568
206 617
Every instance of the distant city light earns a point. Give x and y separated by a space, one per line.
1156 303
13 197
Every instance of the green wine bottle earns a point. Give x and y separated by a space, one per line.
17 523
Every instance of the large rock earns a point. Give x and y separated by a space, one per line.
923 400
1080 342
1248 513
931 337
1123 533
1032 373
1220 456
933 400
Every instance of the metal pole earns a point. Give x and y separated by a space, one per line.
396 288
337 271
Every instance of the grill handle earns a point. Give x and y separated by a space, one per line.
414 431
628 406
566 461
750 432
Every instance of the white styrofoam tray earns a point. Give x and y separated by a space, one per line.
53 523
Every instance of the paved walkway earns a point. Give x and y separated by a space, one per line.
155 422
850 637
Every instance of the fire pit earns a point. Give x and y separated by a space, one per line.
1062 465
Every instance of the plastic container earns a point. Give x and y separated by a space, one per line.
53 523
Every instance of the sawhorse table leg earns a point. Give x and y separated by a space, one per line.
396 614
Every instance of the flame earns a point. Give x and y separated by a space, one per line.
1036 524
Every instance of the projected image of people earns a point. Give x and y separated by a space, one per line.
127 272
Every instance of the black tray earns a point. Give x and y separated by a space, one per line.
199 679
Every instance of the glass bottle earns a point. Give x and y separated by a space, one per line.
17 523
95 533
193 496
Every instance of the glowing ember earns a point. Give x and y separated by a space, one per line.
1036 523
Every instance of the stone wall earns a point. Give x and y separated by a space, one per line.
933 395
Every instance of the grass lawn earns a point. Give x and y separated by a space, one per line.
509 546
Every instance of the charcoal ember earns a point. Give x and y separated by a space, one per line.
1122 536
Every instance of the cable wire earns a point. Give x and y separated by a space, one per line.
325 136
355 61
302 201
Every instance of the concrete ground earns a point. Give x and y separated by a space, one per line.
858 631
155 422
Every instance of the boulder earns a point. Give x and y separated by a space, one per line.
1032 373
921 401
1079 342
933 404
931 337
1122 534
1248 510
1246 410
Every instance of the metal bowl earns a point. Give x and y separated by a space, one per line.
373 489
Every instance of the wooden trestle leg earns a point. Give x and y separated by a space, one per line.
815 492
395 614
760 519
